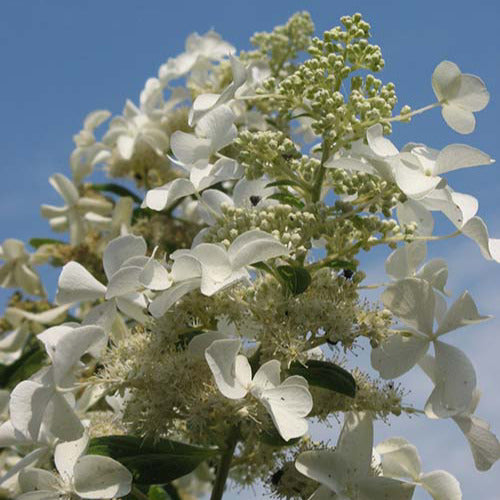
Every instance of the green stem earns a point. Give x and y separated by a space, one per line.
225 465
318 182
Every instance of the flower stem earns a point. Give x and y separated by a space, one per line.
225 465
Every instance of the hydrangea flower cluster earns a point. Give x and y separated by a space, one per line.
206 316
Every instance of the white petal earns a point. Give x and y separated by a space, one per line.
398 354
446 79
483 443
476 229
455 382
125 145
288 405
124 281
414 183
101 477
62 420
163 302
77 284
221 357
65 188
325 466
214 261
414 211
471 93
461 313
37 455
121 249
164 196
66 455
40 495
28 403
403 262
460 120
216 124
379 144
188 148
268 375
441 485
457 156
399 458
33 479
201 342
132 305
65 346
413 301
384 488
254 246
356 442
436 273
95 118
155 276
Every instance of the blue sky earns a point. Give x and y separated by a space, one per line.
62 59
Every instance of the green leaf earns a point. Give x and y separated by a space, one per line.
151 462
38 242
288 199
284 182
116 189
28 364
326 375
297 279
342 264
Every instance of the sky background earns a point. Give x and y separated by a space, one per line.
62 59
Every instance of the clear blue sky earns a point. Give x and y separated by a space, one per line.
61 59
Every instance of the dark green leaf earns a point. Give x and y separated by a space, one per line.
117 189
38 242
342 264
151 462
28 364
326 375
297 279
288 199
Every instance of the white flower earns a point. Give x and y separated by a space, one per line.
86 476
415 302
199 49
400 459
13 341
213 132
88 151
211 267
405 261
73 214
200 177
134 130
459 95
287 402
17 270
44 401
120 221
124 260
346 474
483 443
